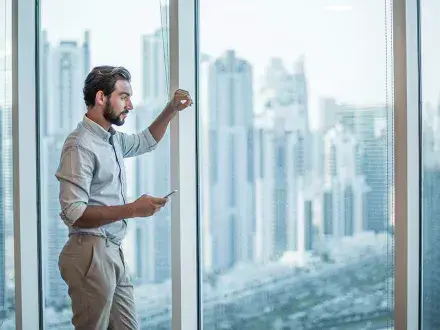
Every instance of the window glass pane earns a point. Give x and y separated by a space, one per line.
74 38
7 282
430 203
296 164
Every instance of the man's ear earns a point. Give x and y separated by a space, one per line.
100 99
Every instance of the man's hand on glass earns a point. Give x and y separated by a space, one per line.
181 100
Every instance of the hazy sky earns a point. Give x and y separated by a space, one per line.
343 41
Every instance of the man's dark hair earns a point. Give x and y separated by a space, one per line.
103 78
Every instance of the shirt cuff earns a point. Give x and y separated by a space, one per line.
152 143
73 212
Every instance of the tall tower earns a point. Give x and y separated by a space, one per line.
152 236
372 128
344 185
204 165
86 53
231 161
284 138
64 107
266 238
61 108
6 210
44 92
155 68
431 221
54 231
6 178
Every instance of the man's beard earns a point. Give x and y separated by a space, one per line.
112 117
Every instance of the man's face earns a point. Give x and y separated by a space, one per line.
119 103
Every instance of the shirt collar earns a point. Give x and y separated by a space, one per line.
98 129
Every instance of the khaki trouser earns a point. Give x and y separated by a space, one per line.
98 284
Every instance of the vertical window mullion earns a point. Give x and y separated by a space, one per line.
25 164
407 160
185 287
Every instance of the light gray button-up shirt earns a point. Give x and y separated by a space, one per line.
92 172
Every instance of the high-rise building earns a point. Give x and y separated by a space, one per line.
6 206
155 66
204 166
430 205
86 54
284 162
3 188
152 261
53 230
6 178
266 237
152 235
63 70
44 91
305 227
231 162
344 186
372 128
5 79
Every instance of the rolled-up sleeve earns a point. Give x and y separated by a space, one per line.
137 144
74 174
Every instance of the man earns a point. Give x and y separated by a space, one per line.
94 202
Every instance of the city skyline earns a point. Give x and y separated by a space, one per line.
279 198
285 118
295 158
336 75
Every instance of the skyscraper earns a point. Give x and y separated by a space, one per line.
284 138
152 236
344 186
155 67
204 168
431 221
6 206
371 127
64 68
265 244
232 221
64 79
6 175
54 232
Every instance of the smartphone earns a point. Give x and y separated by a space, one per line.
169 194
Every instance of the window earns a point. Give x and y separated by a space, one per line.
7 283
308 243
304 236
430 165
75 37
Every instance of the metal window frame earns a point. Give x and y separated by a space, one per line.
186 307
407 163
25 185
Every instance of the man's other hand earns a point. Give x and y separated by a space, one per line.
146 206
